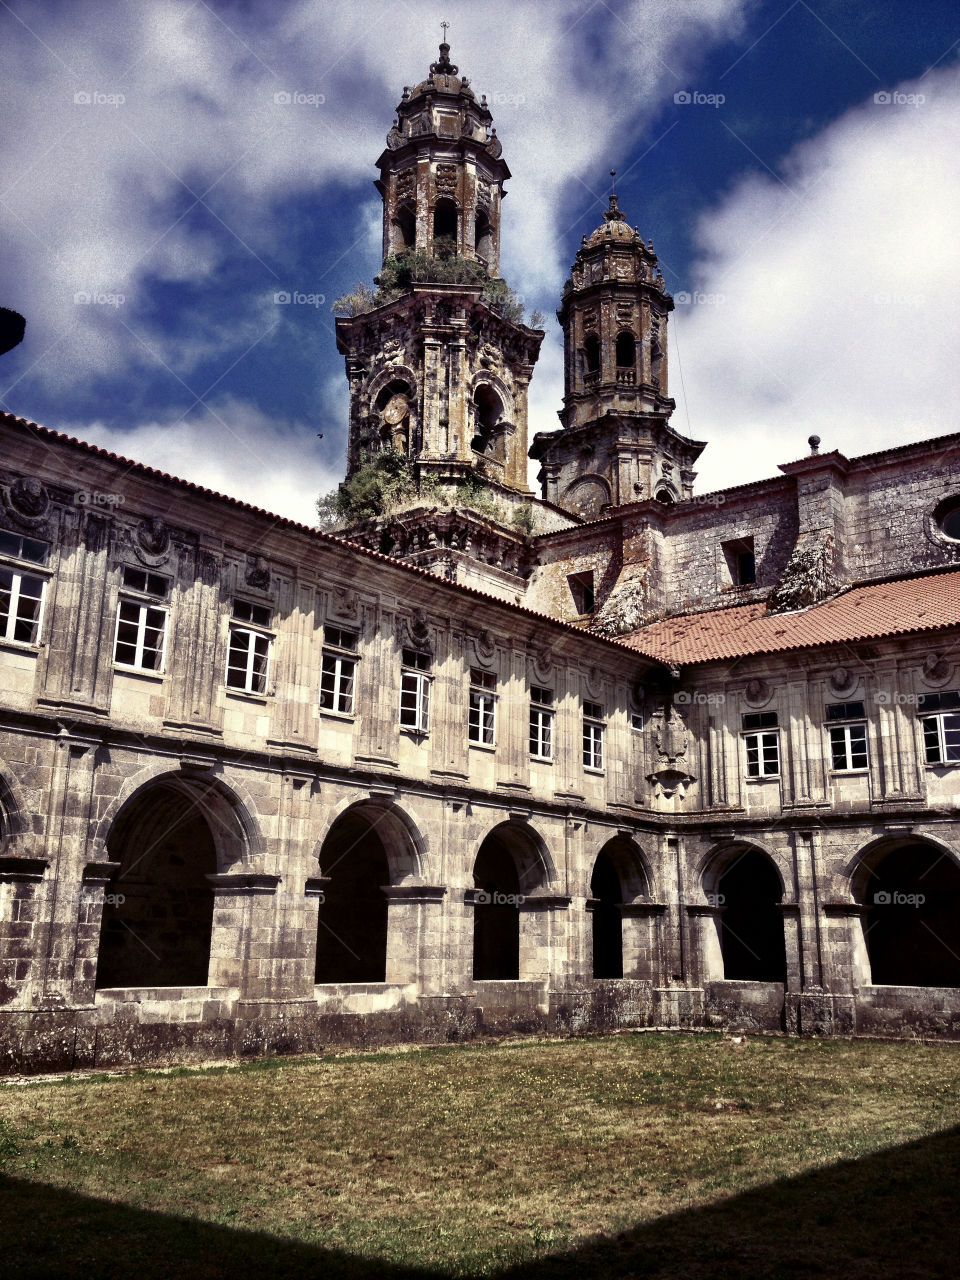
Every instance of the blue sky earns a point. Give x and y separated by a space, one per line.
155 196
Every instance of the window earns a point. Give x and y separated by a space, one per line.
581 588
482 721
848 747
541 723
338 670
592 735
415 691
248 657
21 594
947 516
845 711
636 721
941 732
741 562
762 749
141 623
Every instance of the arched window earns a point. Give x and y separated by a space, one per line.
749 894
666 497
607 925
496 913
488 410
912 925
158 909
406 225
445 228
352 929
626 350
483 236
591 350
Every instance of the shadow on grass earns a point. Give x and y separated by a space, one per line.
888 1215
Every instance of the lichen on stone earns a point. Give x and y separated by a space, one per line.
808 578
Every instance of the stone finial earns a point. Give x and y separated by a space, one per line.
443 66
814 443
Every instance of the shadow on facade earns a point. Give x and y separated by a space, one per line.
890 1214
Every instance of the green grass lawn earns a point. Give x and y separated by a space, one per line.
659 1155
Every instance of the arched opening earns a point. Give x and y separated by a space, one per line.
607 895
626 350
488 411
393 405
483 236
749 893
406 224
352 928
591 353
496 912
158 909
656 360
666 497
912 924
445 229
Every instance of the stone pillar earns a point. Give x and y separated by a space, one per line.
242 948
414 935
20 891
449 711
513 759
94 890
195 647
380 733
642 946
544 943
805 847
705 961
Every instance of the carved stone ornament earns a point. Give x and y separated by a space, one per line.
843 680
936 670
343 602
485 647
542 661
669 776
257 575
152 541
593 682
28 498
414 632
757 692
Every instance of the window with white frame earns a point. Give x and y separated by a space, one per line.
338 670
248 654
141 635
21 592
482 710
848 736
761 743
415 691
941 731
636 721
541 723
593 727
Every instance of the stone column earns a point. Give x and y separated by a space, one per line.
513 760
242 950
642 946
20 881
194 646
94 890
544 943
414 935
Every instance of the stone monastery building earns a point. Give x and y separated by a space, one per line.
619 756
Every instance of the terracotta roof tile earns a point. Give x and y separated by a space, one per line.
864 612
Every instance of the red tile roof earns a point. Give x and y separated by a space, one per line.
862 613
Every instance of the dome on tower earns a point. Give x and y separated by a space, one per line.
614 227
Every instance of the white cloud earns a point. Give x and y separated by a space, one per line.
234 449
841 295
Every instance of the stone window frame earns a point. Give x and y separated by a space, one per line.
23 567
594 737
941 740
416 677
146 593
842 743
756 727
338 671
543 713
482 699
583 592
248 618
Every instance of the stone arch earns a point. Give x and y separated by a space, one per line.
408 846
626 349
168 840
666 493
512 863
446 225
619 877
238 838
14 824
909 888
744 885
370 846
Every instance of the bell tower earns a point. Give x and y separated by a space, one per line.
439 359
616 445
